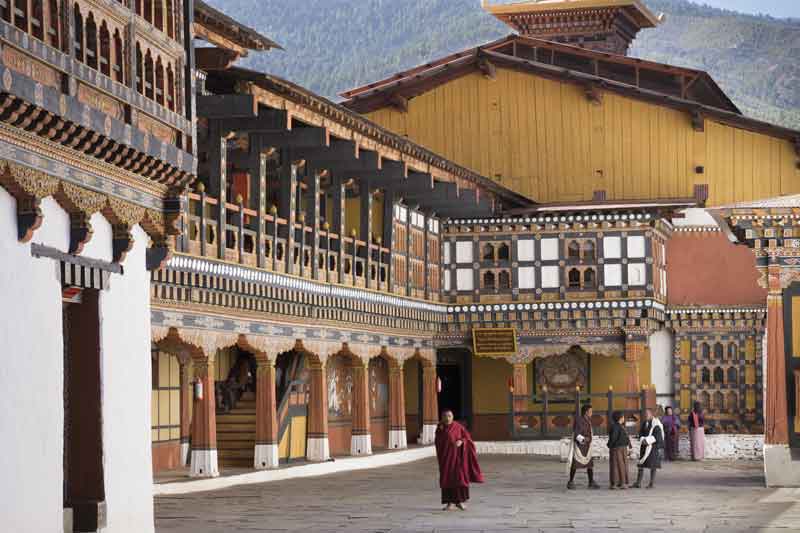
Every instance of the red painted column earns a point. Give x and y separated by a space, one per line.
361 440
204 422
430 403
185 410
266 452
776 414
317 448
397 408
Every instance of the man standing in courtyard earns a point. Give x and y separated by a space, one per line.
580 455
458 462
651 435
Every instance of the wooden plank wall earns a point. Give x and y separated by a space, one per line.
544 139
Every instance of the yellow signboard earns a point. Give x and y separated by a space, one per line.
494 342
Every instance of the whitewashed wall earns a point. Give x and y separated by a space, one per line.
661 366
126 374
32 378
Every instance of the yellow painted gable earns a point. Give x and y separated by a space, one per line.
546 140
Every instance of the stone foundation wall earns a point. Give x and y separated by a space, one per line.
721 446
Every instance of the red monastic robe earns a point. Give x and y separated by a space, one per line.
458 466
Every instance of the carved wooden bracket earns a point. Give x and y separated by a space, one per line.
28 186
698 122
487 68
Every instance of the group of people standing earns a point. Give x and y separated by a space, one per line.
458 460
656 437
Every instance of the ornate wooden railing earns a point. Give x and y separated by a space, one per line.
333 258
549 423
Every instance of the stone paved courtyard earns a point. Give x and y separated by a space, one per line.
521 494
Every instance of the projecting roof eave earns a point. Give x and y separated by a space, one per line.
637 9
232 29
465 64
363 125
387 84
662 205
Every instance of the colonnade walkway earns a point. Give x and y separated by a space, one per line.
521 494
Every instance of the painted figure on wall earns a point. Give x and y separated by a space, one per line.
340 388
379 388
561 374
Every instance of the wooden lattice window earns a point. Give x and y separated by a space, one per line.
733 376
505 279
719 351
573 250
159 81
706 376
37 19
705 351
719 375
503 252
148 75
53 24
589 251
488 252
170 89
488 280
21 14
158 14
119 60
91 41
589 279
77 20
733 352
105 50
574 278
139 69
170 19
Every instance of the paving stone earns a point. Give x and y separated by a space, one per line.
521 494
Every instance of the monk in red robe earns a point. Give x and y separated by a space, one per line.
458 462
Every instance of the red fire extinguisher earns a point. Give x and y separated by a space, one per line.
198 390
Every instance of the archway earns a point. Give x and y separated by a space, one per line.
421 402
454 370
348 408
293 395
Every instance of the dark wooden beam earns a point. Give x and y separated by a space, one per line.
399 102
226 106
593 93
487 68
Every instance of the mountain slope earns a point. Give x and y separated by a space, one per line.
333 45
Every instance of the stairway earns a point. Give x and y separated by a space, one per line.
236 434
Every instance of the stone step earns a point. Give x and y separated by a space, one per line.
237 454
236 436
236 445
236 426
236 418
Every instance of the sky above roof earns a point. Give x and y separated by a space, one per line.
775 8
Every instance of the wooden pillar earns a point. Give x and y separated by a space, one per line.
521 393
776 413
204 422
361 440
339 215
266 452
219 181
317 448
635 349
365 197
313 217
256 149
389 195
430 404
397 408
185 409
408 256
287 208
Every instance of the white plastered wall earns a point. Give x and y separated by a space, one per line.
661 366
32 377
126 375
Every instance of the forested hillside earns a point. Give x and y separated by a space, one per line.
333 45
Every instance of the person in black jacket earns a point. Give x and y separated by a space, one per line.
618 445
651 436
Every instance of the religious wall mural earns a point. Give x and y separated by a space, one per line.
378 388
339 378
561 374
